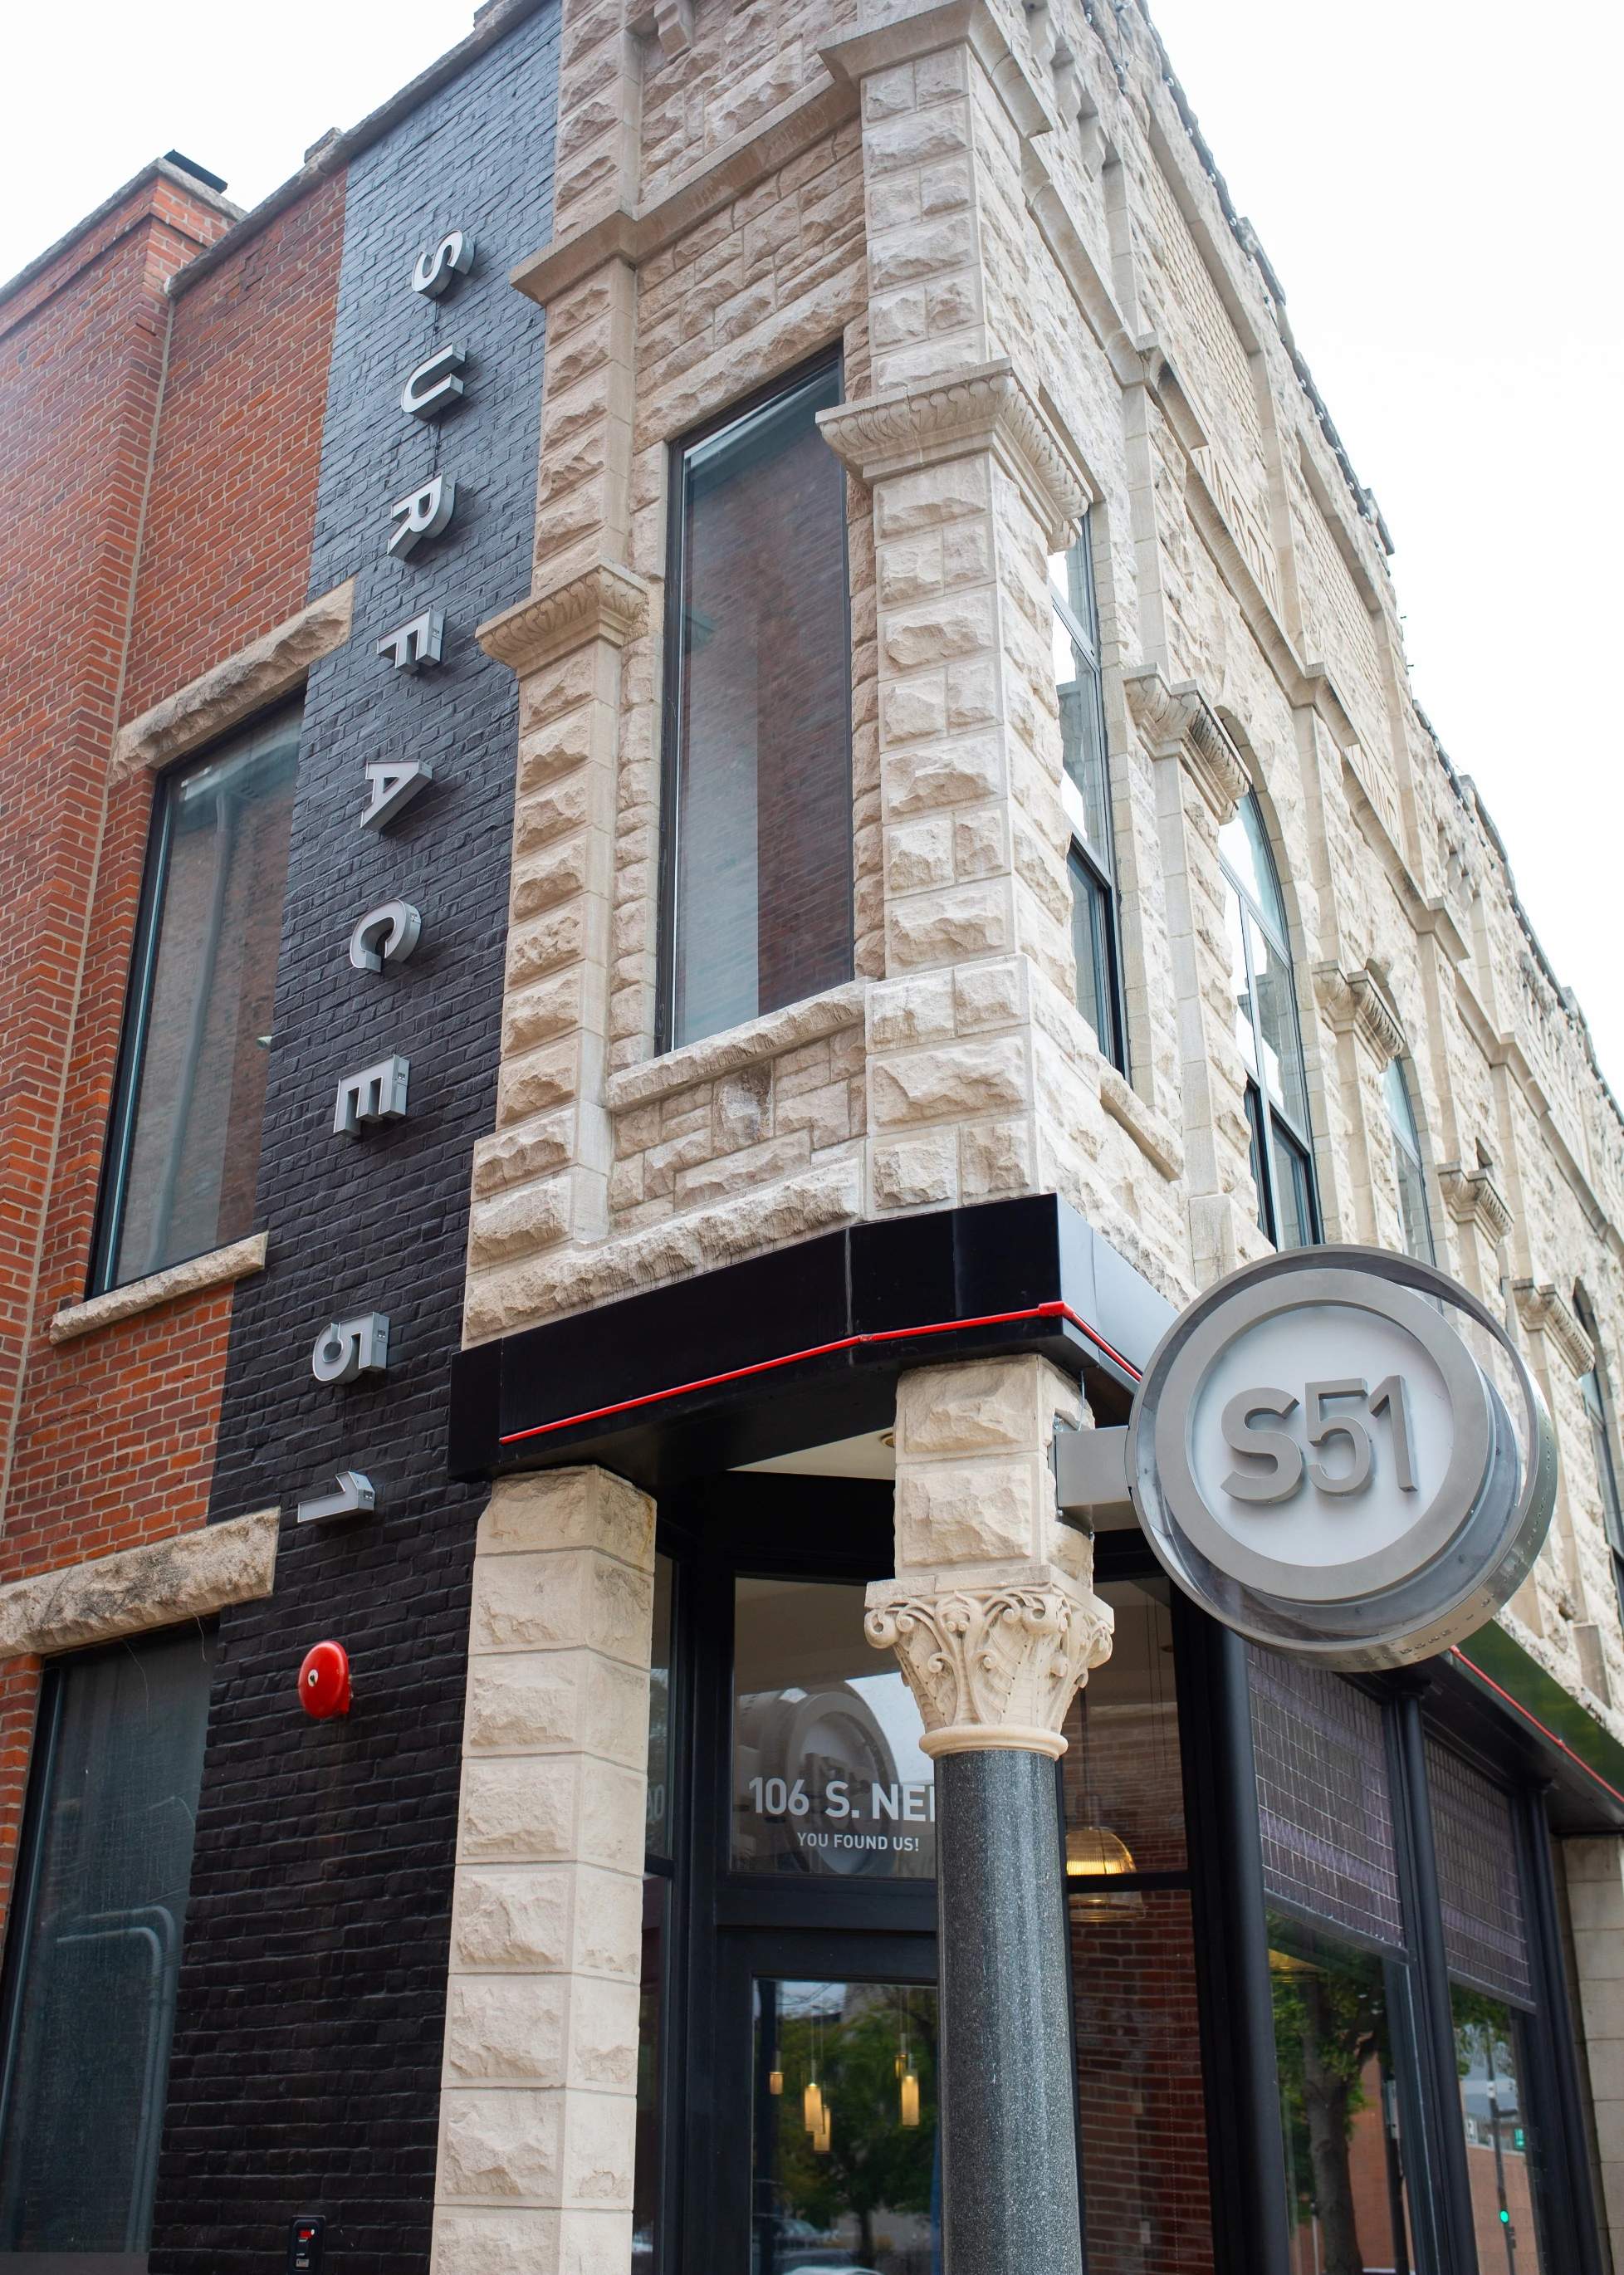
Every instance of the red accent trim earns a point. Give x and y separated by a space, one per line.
1560 1743
820 1350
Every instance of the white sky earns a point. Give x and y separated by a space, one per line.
1435 185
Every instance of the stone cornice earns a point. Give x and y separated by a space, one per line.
217 1269
1472 1198
1544 1311
992 1668
987 408
603 602
1179 722
154 1586
1355 1003
247 682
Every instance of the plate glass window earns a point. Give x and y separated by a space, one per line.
1407 1164
184 1152
1086 791
1607 1473
758 825
827 1774
1266 1031
94 1946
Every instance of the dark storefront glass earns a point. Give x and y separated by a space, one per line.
1141 2108
1491 1999
94 1948
828 1775
1338 1968
183 1151
656 1910
843 2132
759 820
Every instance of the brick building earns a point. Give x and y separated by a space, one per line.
717 791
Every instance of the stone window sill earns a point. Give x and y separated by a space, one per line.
1155 1138
217 1269
766 1038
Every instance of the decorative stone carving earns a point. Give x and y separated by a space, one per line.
986 409
1179 722
235 690
603 602
1354 1002
992 1666
217 1269
185 1578
1544 1311
1471 1197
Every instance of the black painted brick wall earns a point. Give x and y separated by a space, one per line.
307 2048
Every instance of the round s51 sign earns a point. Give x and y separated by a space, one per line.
1340 1452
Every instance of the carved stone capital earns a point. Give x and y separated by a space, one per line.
1544 1311
987 409
1472 1198
995 1666
1355 1003
603 602
1179 722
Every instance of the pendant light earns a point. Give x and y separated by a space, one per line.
911 2099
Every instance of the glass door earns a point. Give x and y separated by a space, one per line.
797 2006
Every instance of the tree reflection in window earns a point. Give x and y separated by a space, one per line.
1335 2009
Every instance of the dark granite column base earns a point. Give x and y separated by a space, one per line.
1010 2199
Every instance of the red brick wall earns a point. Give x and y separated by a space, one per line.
81 350
111 1438
227 551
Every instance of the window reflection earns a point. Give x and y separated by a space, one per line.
184 1156
1407 1163
1335 2009
1075 636
1487 2033
761 809
1141 2110
844 2164
1266 1031
828 1775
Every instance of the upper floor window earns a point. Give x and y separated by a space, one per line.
183 1146
1266 1030
1407 1164
758 798
1606 1472
1085 790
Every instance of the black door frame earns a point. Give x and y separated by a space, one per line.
726 1928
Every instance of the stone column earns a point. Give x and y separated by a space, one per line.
995 1624
538 2092
1594 1869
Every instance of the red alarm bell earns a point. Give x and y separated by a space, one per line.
324 1681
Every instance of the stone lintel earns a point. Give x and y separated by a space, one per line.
1544 1310
603 602
1354 1001
1179 722
932 422
223 698
728 174
156 1586
217 1269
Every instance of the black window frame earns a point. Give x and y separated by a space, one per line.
112 1187
1091 877
1264 1116
830 358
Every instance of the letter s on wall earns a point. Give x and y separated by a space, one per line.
1264 1445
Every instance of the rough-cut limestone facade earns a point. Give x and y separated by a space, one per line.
1001 216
